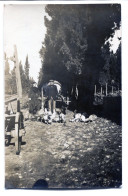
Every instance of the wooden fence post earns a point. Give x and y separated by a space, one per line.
42 95
112 89
101 91
17 71
95 90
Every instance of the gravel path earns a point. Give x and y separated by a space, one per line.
77 155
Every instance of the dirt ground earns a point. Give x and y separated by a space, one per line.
74 155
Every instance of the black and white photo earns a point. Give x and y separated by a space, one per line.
63 96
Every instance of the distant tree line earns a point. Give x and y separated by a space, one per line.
10 78
74 50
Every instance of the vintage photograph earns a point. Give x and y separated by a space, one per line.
63 96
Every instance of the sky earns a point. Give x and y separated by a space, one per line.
24 27
115 42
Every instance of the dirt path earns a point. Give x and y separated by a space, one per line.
76 155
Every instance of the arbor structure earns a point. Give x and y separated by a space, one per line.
71 52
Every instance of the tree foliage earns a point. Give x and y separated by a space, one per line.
24 78
10 78
26 72
26 69
112 66
71 52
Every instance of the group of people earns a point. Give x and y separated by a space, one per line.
49 114
48 117
51 92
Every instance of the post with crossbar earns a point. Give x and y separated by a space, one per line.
106 89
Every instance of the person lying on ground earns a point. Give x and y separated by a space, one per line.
82 117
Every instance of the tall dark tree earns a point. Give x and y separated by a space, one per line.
27 66
26 70
31 81
115 68
40 76
24 80
112 67
71 52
